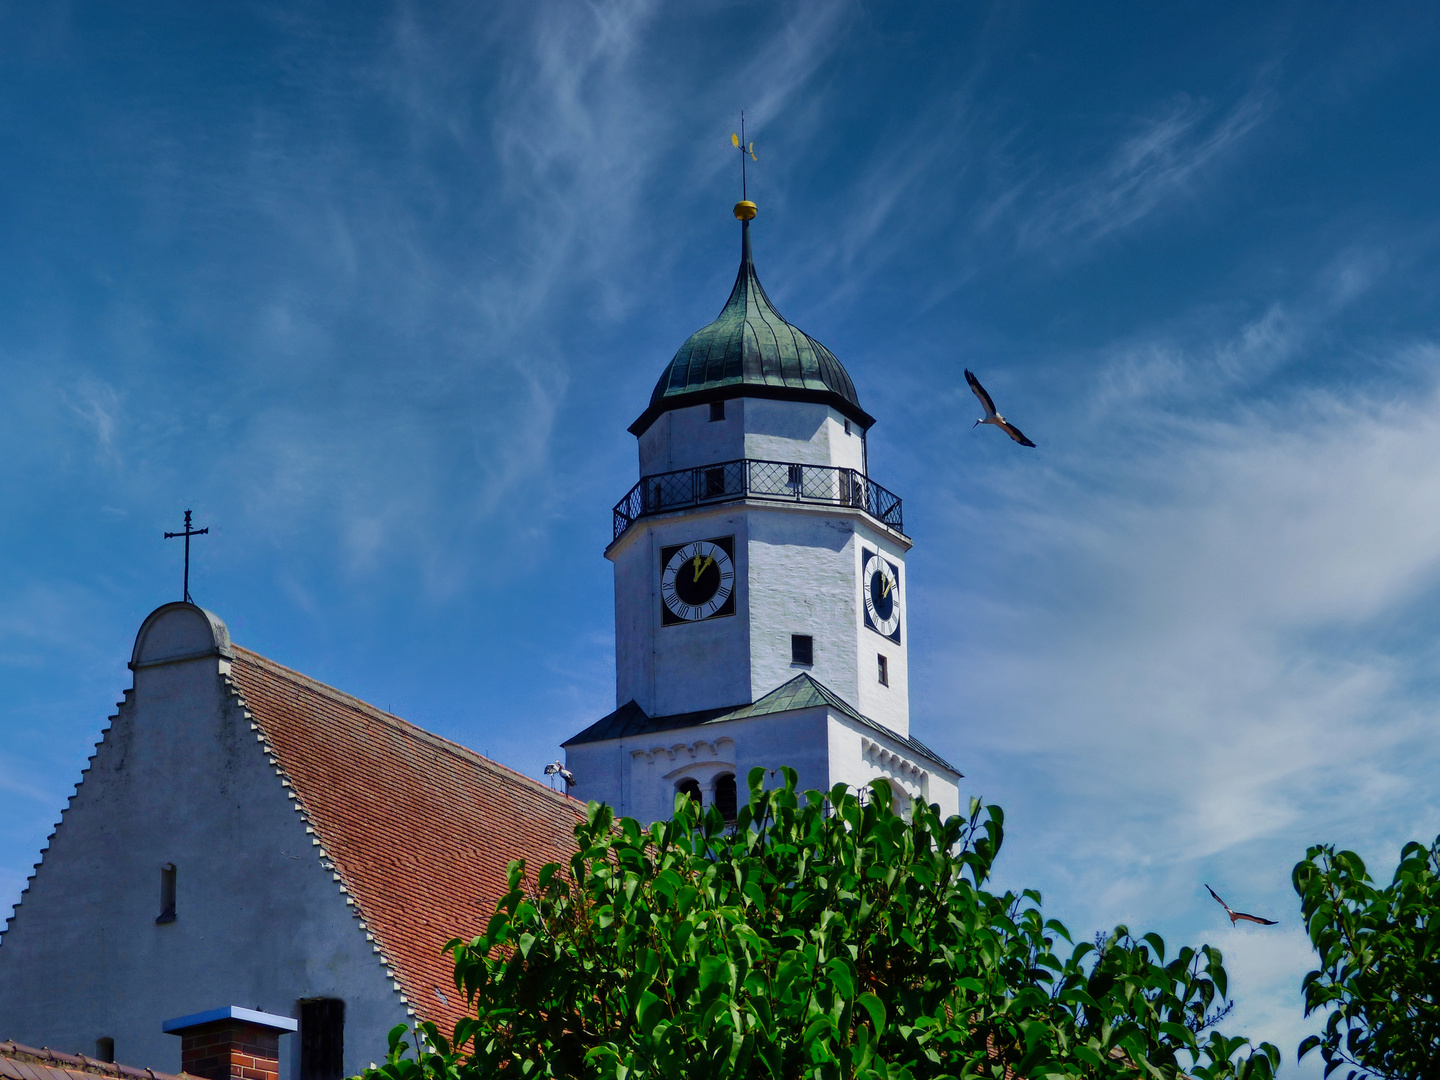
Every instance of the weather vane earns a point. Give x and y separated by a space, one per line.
746 150
189 532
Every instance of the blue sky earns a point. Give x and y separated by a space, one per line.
376 288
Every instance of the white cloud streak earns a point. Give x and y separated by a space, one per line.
1161 161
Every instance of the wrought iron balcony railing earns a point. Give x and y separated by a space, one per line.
748 478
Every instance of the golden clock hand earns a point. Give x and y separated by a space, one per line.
704 566
885 591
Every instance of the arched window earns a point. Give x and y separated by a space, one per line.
689 786
899 797
725 795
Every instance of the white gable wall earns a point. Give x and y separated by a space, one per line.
637 775
859 754
179 777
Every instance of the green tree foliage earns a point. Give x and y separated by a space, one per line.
821 936
1379 950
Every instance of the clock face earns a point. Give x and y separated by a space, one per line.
697 580
880 589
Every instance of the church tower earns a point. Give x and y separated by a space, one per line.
760 585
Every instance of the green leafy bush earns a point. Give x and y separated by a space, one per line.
1379 950
820 936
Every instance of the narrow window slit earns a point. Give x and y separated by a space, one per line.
167 894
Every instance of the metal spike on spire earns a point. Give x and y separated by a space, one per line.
744 209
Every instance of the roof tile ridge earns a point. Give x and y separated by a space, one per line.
313 828
399 723
12 1049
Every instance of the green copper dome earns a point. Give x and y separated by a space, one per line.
751 351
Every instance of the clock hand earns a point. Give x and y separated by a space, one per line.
702 567
885 590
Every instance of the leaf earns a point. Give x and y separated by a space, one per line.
714 969
876 1010
840 978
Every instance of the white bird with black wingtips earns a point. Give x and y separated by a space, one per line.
991 416
557 769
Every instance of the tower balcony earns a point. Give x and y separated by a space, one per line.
768 481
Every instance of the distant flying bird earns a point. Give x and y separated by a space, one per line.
1236 916
991 416
556 769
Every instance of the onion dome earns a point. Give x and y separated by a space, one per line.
751 351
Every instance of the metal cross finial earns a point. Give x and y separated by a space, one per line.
189 532
746 150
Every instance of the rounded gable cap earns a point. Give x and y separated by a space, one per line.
179 631
750 350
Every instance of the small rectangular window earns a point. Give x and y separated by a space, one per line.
105 1049
167 894
802 649
714 483
322 1039
717 411
884 670
796 476
847 427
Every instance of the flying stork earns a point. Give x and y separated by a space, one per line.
1235 916
991 416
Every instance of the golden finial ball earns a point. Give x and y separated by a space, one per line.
745 210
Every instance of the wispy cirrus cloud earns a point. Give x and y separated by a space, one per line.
98 405
1162 159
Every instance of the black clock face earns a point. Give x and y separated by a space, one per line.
882 595
697 581
880 590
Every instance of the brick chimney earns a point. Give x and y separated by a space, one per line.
230 1043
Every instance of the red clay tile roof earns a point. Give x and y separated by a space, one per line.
420 829
19 1062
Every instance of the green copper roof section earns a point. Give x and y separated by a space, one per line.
801 692
751 351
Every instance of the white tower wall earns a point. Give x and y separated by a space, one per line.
798 571
675 669
790 431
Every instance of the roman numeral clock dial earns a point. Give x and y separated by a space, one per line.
697 581
880 588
